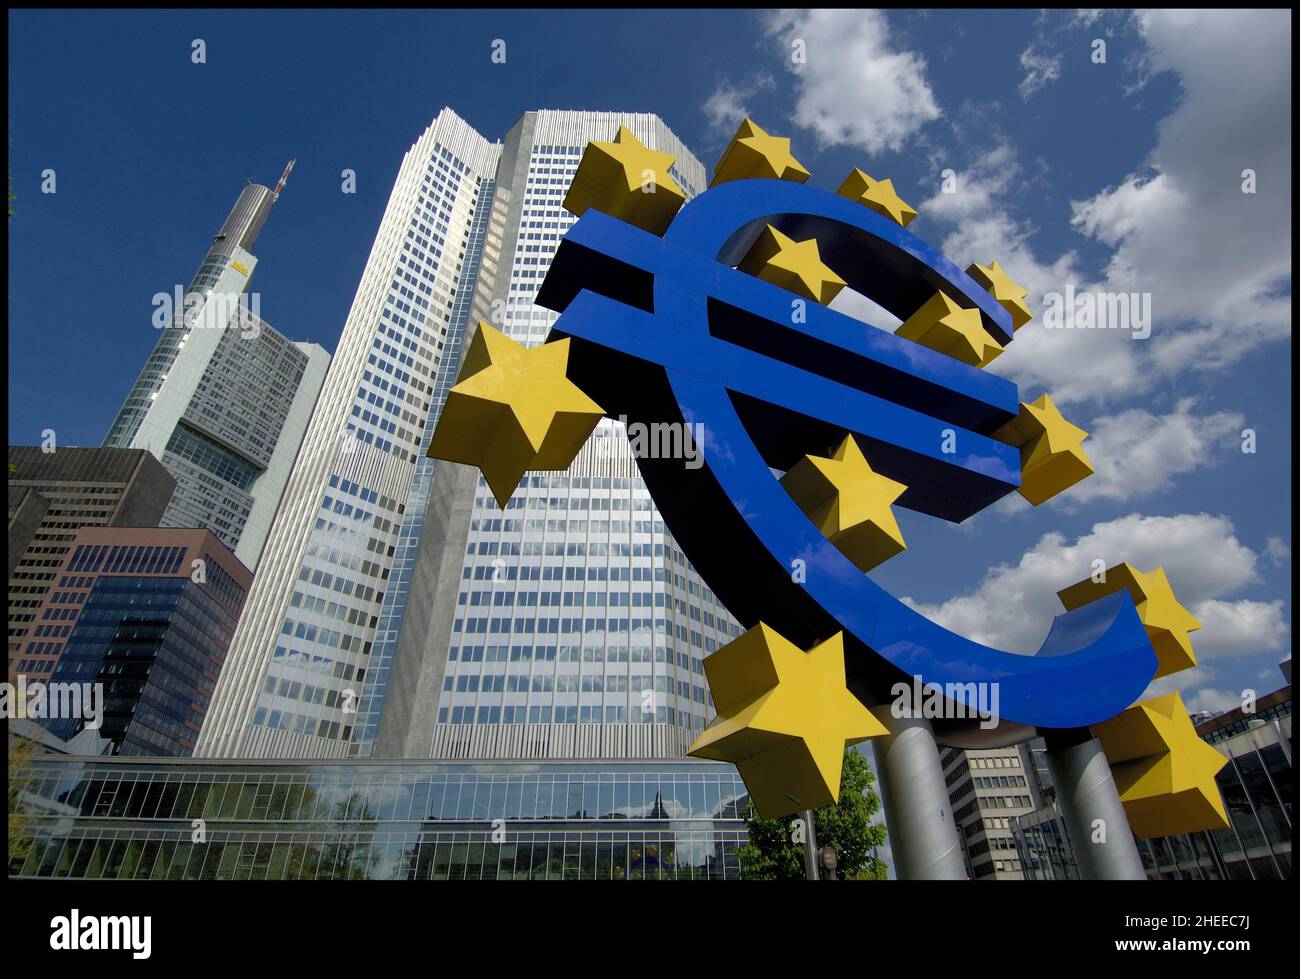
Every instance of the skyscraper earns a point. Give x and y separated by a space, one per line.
52 495
314 609
223 399
568 625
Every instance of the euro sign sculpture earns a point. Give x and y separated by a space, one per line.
711 316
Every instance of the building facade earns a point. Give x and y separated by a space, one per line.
145 616
122 818
1257 791
52 496
223 399
568 624
988 789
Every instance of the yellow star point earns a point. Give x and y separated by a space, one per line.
1009 294
755 153
850 503
1052 458
626 180
1167 622
784 719
879 195
793 265
1163 770
512 410
942 325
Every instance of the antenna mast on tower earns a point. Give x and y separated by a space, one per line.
275 195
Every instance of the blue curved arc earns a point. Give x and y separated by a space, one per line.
1058 687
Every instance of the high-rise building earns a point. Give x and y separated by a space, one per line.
568 625
315 608
224 399
988 788
52 495
148 614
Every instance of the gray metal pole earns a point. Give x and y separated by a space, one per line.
809 845
1099 833
919 817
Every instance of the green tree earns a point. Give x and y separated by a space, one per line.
21 825
772 853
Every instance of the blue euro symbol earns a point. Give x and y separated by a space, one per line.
667 330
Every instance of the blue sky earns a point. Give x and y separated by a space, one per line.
1120 175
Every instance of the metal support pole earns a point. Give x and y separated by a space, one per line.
1094 818
809 845
922 829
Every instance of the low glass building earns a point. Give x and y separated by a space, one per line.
119 818
1256 788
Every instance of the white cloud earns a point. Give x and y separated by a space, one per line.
854 88
1217 261
1212 700
1073 365
729 104
855 304
1200 553
1184 681
1240 627
1041 69
1136 453
1278 550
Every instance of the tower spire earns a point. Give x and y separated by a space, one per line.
275 195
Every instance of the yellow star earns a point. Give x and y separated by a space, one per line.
793 265
1167 622
950 329
1164 772
755 153
784 719
879 195
626 180
849 503
512 410
1010 294
1051 450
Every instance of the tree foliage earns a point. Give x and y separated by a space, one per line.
773 853
21 752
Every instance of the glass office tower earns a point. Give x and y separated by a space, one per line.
569 624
